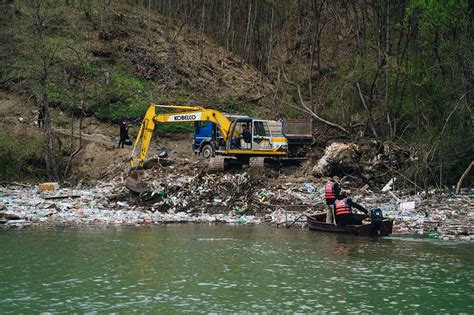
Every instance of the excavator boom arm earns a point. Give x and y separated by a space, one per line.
190 114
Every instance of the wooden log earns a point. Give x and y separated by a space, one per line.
61 197
8 216
3 182
466 172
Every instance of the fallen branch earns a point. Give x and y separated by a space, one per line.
466 172
308 110
407 179
209 69
68 166
3 182
297 219
61 197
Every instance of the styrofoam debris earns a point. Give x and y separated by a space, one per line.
408 205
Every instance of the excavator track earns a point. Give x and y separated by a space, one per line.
216 164
263 162
257 162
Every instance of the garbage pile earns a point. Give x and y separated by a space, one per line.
337 155
178 191
181 191
244 191
365 161
440 214
92 206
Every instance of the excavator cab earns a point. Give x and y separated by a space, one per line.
236 139
260 141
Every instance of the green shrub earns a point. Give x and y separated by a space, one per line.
21 160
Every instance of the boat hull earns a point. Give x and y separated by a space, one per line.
317 222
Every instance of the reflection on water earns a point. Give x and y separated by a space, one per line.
198 268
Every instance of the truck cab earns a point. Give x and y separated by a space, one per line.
290 135
208 139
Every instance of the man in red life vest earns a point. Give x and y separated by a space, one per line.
331 192
343 210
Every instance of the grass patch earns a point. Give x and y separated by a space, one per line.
122 97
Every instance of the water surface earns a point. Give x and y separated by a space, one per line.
200 268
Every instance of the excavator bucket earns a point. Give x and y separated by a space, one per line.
134 181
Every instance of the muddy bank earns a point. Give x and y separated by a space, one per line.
180 190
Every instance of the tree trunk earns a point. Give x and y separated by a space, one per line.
466 172
249 17
387 64
228 25
367 109
50 159
270 42
203 16
51 164
314 45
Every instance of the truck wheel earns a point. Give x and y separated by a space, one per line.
207 151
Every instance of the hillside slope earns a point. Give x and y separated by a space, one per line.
21 144
116 64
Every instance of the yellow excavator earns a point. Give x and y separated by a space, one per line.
258 147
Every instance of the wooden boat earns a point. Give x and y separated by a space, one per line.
317 222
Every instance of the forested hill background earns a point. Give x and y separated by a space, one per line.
399 71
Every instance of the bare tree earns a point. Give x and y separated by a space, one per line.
82 59
368 111
307 109
45 55
315 45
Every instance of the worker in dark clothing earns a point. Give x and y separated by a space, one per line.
246 135
41 115
331 193
123 125
343 210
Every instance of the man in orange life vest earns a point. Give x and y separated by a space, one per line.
331 192
343 210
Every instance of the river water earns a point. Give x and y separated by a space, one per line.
219 268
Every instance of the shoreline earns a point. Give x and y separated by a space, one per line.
105 205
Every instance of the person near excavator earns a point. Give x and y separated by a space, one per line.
246 135
331 193
41 115
343 210
123 125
